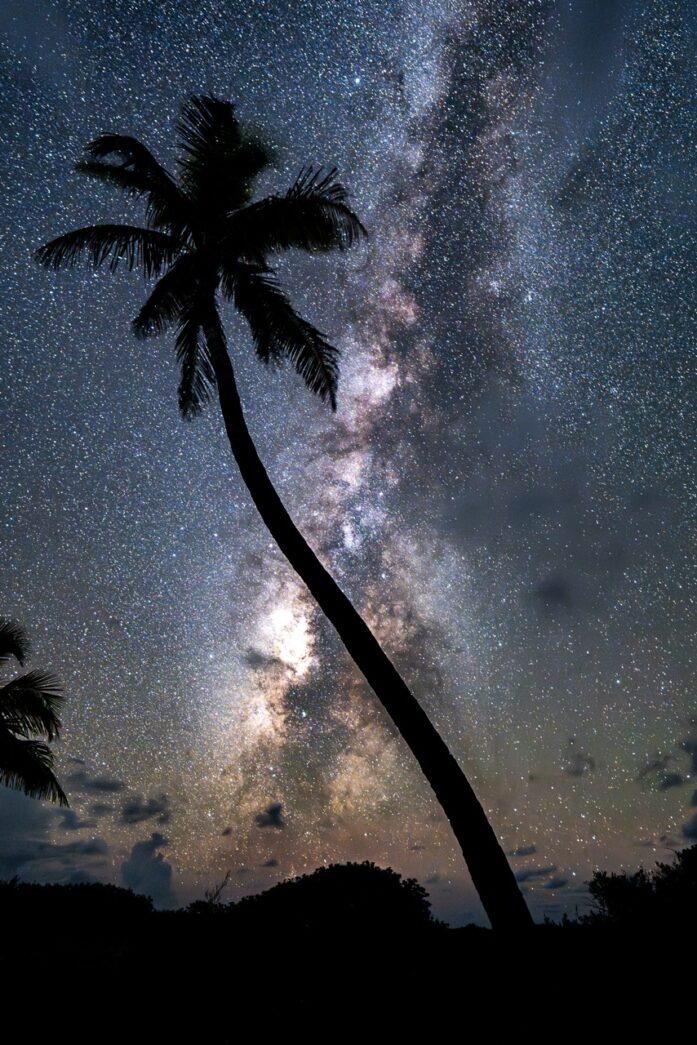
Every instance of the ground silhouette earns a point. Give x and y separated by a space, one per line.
349 947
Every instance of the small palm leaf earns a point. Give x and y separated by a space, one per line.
312 216
138 174
325 203
208 127
31 704
197 373
13 640
134 157
27 765
279 332
151 249
220 159
170 298
161 213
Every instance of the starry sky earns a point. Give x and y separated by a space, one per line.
507 490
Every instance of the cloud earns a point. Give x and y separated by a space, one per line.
689 745
552 593
669 842
71 821
657 775
226 832
528 874
147 872
137 810
257 660
80 876
273 862
84 847
101 785
576 762
656 764
556 883
689 829
524 850
26 849
109 785
693 800
100 809
271 817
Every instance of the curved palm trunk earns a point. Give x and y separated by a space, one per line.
490 871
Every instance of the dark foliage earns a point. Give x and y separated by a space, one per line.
349 946
664 899
77 905
339 899
30 708
13 640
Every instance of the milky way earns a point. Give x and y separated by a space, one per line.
507 490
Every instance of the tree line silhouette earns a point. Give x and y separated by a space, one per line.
351 899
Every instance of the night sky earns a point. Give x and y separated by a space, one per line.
507 490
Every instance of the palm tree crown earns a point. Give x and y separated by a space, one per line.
29 707
203 235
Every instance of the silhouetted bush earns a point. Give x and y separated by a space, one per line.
340 899
663 898
80 904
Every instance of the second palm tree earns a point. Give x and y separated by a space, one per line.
29 709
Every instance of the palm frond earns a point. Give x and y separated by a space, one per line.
208 125
140 174
220 158
197 373
27 765
170 298
134 156
279 332
323 201
149 248
112 174
30 704
13 640
169 214
312 216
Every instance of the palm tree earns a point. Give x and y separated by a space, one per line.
205 237
29 706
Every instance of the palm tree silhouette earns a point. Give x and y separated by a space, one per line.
29 706
203 237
